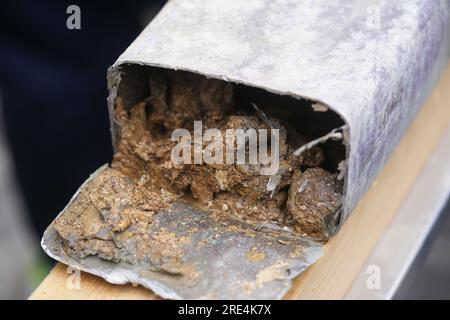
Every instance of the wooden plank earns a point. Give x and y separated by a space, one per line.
346 253
60 284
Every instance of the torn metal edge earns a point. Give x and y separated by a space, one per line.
116 274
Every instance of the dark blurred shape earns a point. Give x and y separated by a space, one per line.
429 275
53 85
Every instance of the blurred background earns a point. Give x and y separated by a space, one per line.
54 129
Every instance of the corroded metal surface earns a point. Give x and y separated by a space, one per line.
217 257
372 62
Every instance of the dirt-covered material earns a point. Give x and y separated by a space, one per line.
314 202
111 216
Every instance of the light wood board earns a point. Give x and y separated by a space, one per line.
346 253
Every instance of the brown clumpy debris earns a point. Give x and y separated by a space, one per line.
111 216
314 202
